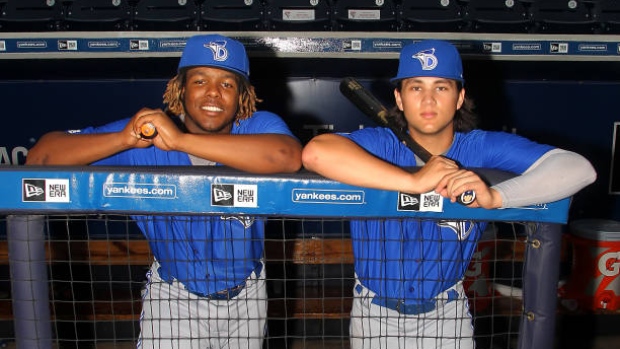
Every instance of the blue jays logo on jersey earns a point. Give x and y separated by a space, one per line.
427 59
246 221
462 229
218 48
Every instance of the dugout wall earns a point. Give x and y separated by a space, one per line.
73 197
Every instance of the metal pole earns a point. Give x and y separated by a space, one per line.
540 280
29 282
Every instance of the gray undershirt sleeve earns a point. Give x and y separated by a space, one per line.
555 175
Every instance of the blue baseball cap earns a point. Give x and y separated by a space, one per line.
434 58
215 51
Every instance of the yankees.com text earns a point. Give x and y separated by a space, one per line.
327 196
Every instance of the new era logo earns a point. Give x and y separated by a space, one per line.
408 202
426 202
45 190
222 195
33 190
234 195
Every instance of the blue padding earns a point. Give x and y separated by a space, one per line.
217 190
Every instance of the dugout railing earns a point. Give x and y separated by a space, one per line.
64 225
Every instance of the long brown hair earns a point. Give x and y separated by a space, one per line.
174 100
465 119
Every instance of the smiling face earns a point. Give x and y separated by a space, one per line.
429 105
211 100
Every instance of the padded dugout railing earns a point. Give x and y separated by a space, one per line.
81 191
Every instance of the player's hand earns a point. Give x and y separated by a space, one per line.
131 132
428 177
167 133
456 183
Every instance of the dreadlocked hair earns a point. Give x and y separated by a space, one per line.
465 119
247 96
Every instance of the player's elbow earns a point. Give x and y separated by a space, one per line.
311 154
284 157
37 157
308 156
290 158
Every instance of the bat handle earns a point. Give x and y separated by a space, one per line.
466 198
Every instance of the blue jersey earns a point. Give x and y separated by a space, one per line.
415 260
206 253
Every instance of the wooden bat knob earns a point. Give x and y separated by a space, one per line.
148 131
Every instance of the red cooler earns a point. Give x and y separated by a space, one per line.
594 282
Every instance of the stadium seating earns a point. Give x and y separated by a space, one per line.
365 15
607 14
298 15
30 15
96 15
493 16
477 16
165 15
432 15
563 16
232 15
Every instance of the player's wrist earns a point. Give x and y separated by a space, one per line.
496 198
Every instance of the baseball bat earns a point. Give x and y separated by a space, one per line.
377 112
149 131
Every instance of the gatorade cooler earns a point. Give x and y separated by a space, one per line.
477 283
593 282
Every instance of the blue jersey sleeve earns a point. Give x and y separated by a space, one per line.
262 122
115 126
476 149
498 150
383 143
150 156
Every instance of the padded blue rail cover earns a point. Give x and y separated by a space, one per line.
223 191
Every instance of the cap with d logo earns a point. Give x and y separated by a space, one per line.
431 58
215 51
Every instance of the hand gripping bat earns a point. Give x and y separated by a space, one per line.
377 112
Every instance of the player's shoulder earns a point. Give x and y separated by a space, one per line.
264 115
261 117
377 140
497 142
261 121
372 132
486 136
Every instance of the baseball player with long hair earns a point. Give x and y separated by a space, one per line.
206 287
409 273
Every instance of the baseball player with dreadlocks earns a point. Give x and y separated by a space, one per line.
408 292
206 288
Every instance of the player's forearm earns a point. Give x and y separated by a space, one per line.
340 159
557 175
60 148
260 153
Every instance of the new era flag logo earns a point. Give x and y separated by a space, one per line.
220 195
33 190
